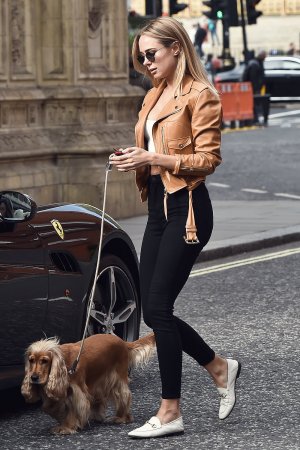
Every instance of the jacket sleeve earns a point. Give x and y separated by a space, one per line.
206 121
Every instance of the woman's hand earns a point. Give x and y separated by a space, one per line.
131 159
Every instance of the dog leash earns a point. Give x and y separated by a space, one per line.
108 168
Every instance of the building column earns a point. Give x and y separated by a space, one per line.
65 100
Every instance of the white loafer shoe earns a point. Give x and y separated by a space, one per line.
154 428
228 394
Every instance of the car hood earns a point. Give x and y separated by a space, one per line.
71 223
74 209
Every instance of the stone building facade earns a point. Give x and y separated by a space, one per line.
65 101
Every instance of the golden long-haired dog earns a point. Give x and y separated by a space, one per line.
101 376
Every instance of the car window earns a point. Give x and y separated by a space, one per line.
14 205
291 65
274 64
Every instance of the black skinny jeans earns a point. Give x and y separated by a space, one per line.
165 264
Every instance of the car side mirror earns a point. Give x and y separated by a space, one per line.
16 207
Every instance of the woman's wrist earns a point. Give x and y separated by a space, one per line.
153 159
170 162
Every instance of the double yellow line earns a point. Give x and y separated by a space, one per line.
244 262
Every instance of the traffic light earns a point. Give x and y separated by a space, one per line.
212 14
252 14
232 11
154 8
175 7
221 9
224 10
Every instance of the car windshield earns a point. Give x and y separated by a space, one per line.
279 64
291 65
273 64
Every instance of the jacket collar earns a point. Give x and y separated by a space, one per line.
187 84
170 106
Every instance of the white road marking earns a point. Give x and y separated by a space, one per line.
275 122
281 194
219 185
255 191
244 262
284 114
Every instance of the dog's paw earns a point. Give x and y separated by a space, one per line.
118 420
60 429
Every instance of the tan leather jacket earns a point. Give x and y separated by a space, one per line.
189 128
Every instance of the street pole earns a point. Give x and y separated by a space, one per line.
153 8
228 60
243 23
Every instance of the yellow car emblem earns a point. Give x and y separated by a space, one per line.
58 228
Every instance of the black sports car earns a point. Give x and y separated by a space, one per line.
48 258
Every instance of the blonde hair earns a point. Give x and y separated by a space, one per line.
167 30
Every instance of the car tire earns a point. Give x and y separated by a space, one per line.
116 304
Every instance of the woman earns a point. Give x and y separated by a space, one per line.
177 146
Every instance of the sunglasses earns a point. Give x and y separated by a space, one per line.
149 54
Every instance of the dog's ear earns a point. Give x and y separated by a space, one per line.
58 381
28 390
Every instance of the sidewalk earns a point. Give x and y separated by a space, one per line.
239 226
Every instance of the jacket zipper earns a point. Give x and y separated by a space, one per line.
162 133
163 141
165 151
166 203
188 168
168 115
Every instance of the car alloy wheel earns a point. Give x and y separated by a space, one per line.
115 307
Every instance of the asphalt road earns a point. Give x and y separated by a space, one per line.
248 310
260 164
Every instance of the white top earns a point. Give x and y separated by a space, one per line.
148 134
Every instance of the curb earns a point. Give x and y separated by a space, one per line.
248 243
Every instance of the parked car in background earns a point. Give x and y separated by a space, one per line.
282 77
48 261
230 76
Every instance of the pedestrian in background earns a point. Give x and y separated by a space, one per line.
177 146
199 38
212 65
212 28
255 73
291 51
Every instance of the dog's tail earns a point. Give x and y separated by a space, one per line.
141 351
